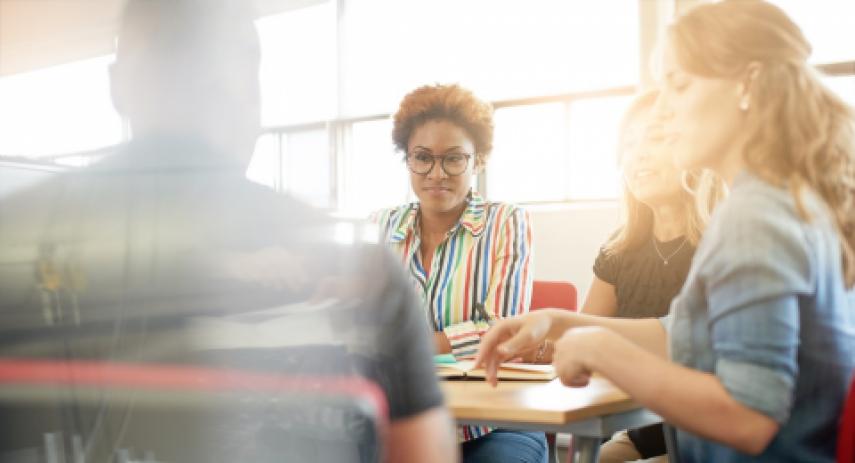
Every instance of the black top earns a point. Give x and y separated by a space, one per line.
644 284
148 257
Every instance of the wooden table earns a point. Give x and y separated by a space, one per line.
589 413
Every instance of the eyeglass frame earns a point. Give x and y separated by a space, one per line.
442 158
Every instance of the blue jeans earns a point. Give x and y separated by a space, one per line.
503 446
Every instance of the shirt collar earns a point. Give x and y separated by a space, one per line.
473 218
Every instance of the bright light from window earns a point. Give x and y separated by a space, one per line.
74 161
499 48
298 65
57 110
265 165
844 86
556 151
529 160
375 174
307 166
829 26
594 126
301 167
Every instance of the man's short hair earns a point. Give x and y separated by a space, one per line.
178 36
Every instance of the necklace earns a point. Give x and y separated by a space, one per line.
664 258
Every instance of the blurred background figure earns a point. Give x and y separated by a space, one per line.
173 311
644 264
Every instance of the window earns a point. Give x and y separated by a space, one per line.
265 167
557 151
529 153
501 49
844 86
306 168
297 163
70 103
594 124
333 71
829 26
298 65
375 174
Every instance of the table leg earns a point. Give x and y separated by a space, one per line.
585 449
552 448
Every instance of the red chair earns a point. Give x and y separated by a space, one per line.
846 434
557 295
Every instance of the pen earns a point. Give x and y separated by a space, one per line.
479 308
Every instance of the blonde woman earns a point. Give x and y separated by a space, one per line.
643 266
761 337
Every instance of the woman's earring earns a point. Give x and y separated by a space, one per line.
686 177
744 103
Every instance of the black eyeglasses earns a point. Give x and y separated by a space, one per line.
452 164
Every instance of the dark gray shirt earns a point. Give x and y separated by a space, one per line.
152 256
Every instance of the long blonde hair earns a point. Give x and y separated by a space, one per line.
701 191
800 134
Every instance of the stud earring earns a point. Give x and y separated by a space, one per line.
744 103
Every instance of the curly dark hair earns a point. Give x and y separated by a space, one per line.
446 102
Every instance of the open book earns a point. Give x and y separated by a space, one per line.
513 371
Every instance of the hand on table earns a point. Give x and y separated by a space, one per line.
575 352
511 338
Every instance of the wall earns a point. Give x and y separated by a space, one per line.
567 239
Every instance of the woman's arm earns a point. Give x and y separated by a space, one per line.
601 299
426 437
514 336
441 345
689 399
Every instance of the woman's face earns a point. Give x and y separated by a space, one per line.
647 163
439 192
700 115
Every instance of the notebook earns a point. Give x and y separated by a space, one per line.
511 371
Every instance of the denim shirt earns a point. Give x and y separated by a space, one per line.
766 310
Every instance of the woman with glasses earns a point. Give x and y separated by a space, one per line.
643 265
755 358
469 259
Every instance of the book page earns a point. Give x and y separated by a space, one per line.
513 371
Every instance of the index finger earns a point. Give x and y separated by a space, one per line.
489 353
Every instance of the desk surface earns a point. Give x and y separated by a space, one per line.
534 402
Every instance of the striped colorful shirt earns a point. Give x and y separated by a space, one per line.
485 260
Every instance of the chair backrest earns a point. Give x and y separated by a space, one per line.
197 413
846 434
555 294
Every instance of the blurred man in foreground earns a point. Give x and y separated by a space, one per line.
163 254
